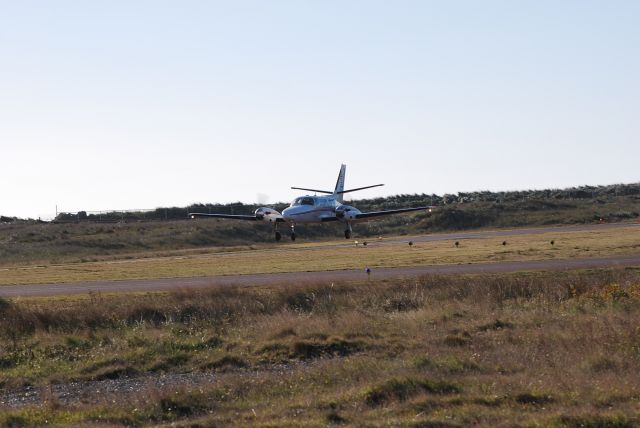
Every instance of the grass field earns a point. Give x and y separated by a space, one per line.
329 256
544 349
530 349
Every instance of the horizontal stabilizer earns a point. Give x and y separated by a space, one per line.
313 190
360 188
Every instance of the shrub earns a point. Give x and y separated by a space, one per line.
181 405
535 399
595 421
335 347
403 389
228 362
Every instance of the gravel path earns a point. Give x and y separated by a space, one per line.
127 389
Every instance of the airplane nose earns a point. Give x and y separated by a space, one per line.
287 212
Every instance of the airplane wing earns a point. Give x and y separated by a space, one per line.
389 212
233 216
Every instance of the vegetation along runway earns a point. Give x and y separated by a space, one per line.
568 247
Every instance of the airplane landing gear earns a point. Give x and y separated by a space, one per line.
348 231
277 234
293 232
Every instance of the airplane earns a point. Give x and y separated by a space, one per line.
315 209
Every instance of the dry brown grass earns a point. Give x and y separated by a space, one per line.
542 349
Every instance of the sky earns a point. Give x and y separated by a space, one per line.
111 105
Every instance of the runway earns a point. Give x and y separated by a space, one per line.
166 284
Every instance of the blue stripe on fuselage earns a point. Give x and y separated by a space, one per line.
309 216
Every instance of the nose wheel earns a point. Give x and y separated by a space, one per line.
293 233
348 231
276 233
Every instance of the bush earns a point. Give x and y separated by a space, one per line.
403 389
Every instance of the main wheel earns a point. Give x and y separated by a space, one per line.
347 234
293 236
278 236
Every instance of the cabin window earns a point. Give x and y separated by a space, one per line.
303 201
326 202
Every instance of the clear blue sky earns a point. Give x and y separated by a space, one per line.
139 104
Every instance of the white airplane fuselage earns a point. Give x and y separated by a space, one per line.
317 209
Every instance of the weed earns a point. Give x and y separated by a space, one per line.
228 362
460 339
170 363
448 364
4 304
282 334
334 347
102 364
596 421
603 364
115 373
402 389
274 351
15 421
74 342
405 300
434 424
183 404
334 418
301 302
496 325
8 361
535 399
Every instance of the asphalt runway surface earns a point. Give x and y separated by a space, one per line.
166 284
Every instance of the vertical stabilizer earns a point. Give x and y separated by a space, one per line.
340 184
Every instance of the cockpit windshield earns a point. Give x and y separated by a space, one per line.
305 200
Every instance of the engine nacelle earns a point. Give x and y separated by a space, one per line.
268 214
347 213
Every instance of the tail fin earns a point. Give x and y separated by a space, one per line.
338 191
